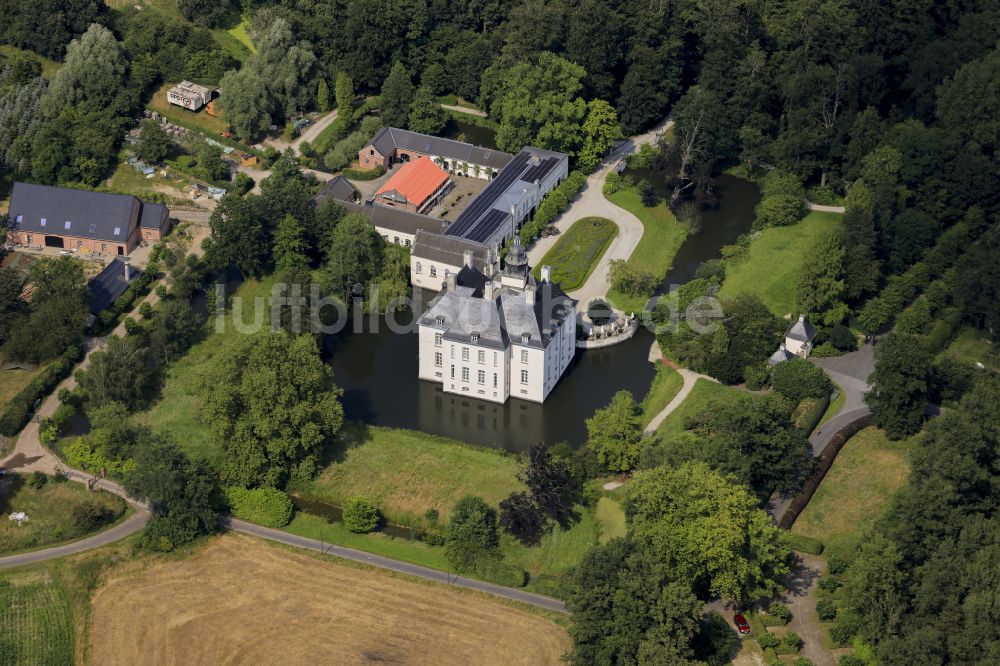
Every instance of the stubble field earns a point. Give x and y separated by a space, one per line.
241 600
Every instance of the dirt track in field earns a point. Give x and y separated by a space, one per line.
240 600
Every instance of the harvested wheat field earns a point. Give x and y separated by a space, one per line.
241 600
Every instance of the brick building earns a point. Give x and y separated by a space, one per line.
98 222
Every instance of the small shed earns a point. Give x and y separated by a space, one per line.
799 337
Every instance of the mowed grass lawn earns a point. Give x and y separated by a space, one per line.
856 491
662 236
972 345
200 119
703 396
407 473
575 254
666 383
775 258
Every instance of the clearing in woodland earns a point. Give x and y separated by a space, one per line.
241 600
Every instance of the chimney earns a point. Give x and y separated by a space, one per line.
127 275
451 282
546 273
802 319
529 294
467 257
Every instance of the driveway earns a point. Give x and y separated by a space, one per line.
800 597
592 202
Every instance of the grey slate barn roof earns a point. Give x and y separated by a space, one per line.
108 285
338 188
801 330
396 219
61 211
389 139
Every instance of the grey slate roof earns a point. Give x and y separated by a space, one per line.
388 139
108 285
154 216
80 213
801 330
396 219
449 250
780 356
337 188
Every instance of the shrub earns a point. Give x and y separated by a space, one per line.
432 515
843 338
767 640
146 310
757 376
780 611
472 532
612 183
648 194
265 506
781 210
829 583
630 280
836 564
89 516
792 640
802 661
851 660
799 379
804 544
842 634
243 183
358 174
778 182
360 515
37 480
826 610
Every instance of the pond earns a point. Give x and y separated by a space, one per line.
378 368
477 135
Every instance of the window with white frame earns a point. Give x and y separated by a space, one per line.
465 374
494 380
481 376
419 269
524 356
438 358
465 353
434 271
482 356
524 376
437 339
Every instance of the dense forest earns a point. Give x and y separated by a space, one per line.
892 108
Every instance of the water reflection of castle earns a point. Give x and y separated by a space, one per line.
479 422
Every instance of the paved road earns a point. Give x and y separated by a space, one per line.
127 527
538 600
823 208
592 202
313 130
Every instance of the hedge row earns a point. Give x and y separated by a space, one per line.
264 506
364 174
18 410
902 289
804 544
554 203
811 410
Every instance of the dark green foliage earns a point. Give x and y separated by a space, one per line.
843 338
209 13
123 372
37 480
472 533
826 610
767 640
397 96
627 604
265 506
779 611
57 315
522 518
900 384
798 379
851 660
155 144
648 194
360 515
47 26
614 433
90 516
184 496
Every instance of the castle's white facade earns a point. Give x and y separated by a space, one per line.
498 334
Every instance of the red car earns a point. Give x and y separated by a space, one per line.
741 623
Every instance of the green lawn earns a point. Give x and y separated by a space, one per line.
662 236
126 180
856 492
50 512
177 412
834 407
611 518
559 550
49 67
702 396
666 383
775 258
577 252
240 34
972 346
214 125
14 381
406 473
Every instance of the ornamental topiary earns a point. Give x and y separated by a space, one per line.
360 515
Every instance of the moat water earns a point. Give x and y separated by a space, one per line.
378 368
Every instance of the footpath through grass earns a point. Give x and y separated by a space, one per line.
857 490
666 384
775 259
662 237
702 396
577 252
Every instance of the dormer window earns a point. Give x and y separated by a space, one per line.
475 337
42 221
68 225
440 320
525 337
20 219
93 228
118 231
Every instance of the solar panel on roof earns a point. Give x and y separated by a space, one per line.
470 218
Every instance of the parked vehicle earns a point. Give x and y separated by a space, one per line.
741 623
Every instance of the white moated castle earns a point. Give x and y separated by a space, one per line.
493 334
